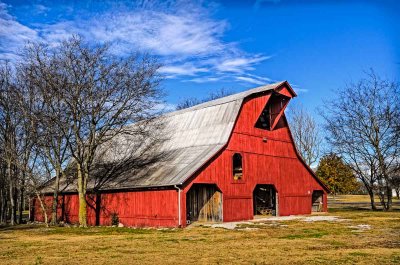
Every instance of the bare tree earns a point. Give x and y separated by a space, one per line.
306 133
18 140
44 85
362 123
395 182
8 129
189 102
102 94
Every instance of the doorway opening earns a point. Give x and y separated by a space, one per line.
265 200
317 201
204 203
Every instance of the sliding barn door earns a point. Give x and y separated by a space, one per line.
204 203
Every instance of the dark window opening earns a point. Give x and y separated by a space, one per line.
237 167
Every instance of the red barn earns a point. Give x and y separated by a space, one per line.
224 160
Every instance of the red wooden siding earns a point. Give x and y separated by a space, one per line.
272 162
134 208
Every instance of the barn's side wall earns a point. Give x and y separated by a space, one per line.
157 208
269 157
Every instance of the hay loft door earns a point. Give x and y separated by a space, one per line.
204 203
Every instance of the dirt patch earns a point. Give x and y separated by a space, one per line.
360 228
274 219
319 218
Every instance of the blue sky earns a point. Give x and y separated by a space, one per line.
205 46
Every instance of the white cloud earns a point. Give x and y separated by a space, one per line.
250 80
265 79
254 79
205 79
240 64
164 107
159 32
186 69
188 41
13 35
56 33
298 89
41 9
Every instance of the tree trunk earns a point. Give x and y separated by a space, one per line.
2 205
82 196
55 197
46 220
11 193
386 198
372 199
21 199
15 205
30 215
397 193
389 198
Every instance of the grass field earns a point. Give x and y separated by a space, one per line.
357 237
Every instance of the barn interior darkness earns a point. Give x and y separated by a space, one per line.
272 111
264 200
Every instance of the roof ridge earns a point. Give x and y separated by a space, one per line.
227 99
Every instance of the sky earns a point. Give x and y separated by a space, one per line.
206 46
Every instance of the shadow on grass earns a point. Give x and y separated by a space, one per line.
20 227
95 230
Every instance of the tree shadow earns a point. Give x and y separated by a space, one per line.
127 161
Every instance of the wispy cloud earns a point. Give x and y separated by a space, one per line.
240 64
254 79
13 35
162 33
186 69
189 42
205 79
299 90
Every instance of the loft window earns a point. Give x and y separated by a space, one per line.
237 166
272 112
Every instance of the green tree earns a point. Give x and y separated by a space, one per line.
336 174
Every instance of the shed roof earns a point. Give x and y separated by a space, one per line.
187 139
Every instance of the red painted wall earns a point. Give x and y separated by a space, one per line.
134 208
272 162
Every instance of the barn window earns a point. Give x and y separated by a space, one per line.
272 112
237 166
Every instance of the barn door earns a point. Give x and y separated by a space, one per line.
264 200
317 202
204 203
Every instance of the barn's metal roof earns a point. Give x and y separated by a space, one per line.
180 143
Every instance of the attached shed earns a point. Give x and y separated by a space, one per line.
224 160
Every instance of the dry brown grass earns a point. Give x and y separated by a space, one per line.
350 198
290 242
